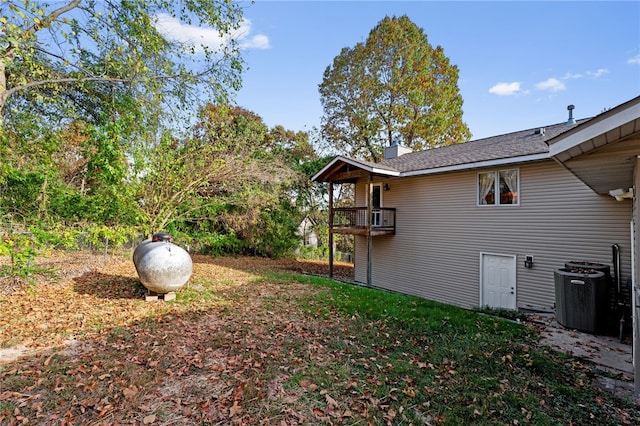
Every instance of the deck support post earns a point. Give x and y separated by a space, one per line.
330 229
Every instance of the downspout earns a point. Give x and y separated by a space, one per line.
634 313
635 293
369 237
330 229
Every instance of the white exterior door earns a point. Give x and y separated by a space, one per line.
376 204
498 281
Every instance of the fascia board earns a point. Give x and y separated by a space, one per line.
593 130
354 163
385 172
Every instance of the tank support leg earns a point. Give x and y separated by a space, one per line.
152 296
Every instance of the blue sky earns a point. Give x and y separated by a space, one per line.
520 63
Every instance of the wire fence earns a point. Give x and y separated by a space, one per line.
19 238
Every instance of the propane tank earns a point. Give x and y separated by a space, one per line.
162 266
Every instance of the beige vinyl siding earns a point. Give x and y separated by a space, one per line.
636 222
360 243
440 233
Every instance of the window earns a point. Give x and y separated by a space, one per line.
498 187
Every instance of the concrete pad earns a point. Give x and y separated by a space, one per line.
606 353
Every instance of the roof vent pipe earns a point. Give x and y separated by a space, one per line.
571 120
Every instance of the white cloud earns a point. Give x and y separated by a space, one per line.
634 60
551 84
506 89
259 41
197 37
571 75
598 73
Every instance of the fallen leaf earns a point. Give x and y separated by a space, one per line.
151 418
48 360
235 409
130 392
410 392
330 401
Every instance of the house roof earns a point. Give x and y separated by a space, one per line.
516 147
510 148
613 135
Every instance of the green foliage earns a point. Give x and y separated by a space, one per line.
395 86
24 246
219 245
20 192
276 236
307 252
88 91
20 248
57 238
229 190
231 181
117 235
503 313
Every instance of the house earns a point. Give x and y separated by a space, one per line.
307 233
487 222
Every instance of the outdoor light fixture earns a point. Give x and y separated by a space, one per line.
620 194
386 187
528 261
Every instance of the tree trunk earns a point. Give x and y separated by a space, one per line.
3 88
42 207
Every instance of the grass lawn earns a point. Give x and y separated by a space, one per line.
248 342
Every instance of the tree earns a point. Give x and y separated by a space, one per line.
394 87
73 59
87 88
221 181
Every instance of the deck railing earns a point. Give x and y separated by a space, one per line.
344 218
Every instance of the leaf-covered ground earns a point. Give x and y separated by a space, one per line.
243 344
94 352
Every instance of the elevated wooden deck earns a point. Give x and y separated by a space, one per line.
356 221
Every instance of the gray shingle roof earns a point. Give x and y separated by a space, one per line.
510 145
